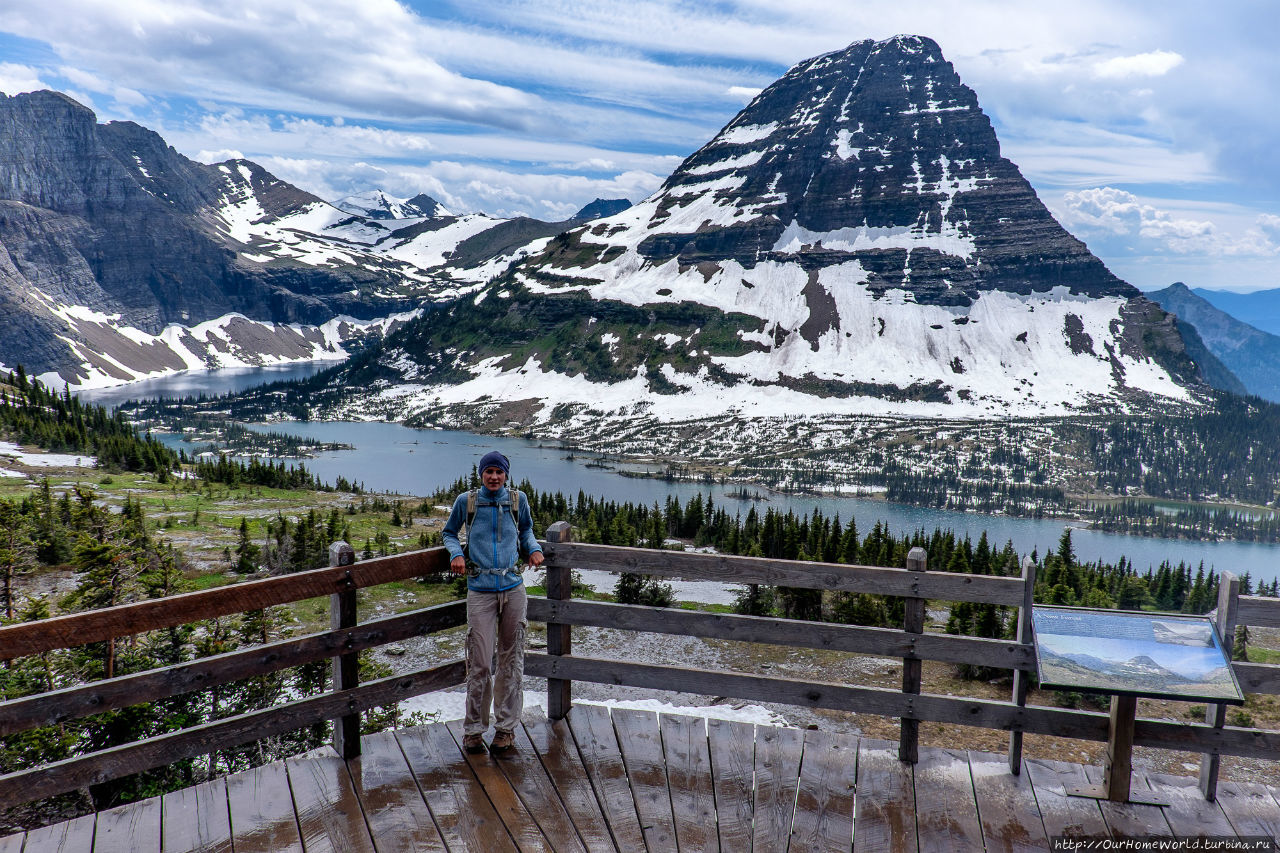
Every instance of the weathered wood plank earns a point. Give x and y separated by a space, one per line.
262 815
1258 610
465 817
131 828
72 836
1252 743
885 806
398 816
814 694
778 755
948 820
72 773
329 814
825 795
733 748
13 843
59 706
511 811
592 729
984 589
640 740
1251 808
555 747
1130 820
529 806
684 743
890 642
64 632
1189 813
197 819
1007 808
1064 815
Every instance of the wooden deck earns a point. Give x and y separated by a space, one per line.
633 781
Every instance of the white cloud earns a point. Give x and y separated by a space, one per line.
743 93
1110 211
1157 63
16 79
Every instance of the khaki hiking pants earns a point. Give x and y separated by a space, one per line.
495 617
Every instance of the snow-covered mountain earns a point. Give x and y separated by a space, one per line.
851 243
375 204
121 259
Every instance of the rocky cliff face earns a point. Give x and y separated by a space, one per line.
115 249
852 242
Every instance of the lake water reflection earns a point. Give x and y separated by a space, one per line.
391 457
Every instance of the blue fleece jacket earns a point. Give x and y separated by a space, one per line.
492 539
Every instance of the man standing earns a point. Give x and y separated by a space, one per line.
499 530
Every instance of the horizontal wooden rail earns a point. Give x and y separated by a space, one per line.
981 589
890 642
1258 610
107 764
1031 719
64 632
85 700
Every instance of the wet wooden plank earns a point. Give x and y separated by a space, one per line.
554 745
949 819
512 811
525 773
465 817
1189 813
1130 820
733 752
884 817
1007 809
1071 817
72 836
592 729
778 755
329 814
825 796
262 815
397 814
693 802
1251 808
131 828
640 739
197 819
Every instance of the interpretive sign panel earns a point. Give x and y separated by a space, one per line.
1159 655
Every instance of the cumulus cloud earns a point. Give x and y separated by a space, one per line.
16 79
1107 210
1156 63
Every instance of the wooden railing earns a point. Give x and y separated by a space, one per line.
561 668
1212 738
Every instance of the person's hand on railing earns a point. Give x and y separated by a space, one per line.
458 566
536 559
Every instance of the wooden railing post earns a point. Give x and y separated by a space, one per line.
346 670
1021 678
1216 715
559 637
912 623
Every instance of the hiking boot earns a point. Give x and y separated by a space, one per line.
503 743
473 744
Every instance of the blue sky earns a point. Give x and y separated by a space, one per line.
1148 129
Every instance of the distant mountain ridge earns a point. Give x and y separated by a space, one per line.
122 259
1251 355
1258 308
852 242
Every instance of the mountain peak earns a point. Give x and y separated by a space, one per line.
376 204
877 155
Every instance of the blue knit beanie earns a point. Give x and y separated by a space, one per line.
494 459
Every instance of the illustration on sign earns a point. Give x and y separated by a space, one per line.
1147 654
